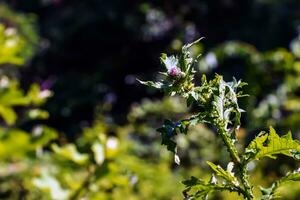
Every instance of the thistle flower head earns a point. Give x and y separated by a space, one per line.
174 71
171 64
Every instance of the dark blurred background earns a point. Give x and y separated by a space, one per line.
92 51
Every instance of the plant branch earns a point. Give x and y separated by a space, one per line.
247 192
230 146
245 181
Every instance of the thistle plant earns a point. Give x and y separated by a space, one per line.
216 102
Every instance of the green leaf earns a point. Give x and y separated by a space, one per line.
197 188
37 114
98 151
270 145
270 193
37 96
70 152
15 145
192 182
227 175
157 85
169 130
13 95
189 45
192 97
8 114
51 185
294 176
42 135
267 193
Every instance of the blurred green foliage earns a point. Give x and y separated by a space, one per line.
18 37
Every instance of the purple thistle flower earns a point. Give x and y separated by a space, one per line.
171 65
174 71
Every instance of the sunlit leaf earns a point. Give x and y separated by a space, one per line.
51 185
8 114
70 152
98 151
270 145
198 189
42 135
226 175
270 193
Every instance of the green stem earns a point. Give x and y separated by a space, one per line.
230 146
247 192
245 181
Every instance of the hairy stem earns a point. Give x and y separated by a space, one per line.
230 146
245 181
247 192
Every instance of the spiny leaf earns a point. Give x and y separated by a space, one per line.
227 175
269 193
294 176
197 188
191 44
169 130
157 85
271 144
192 182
